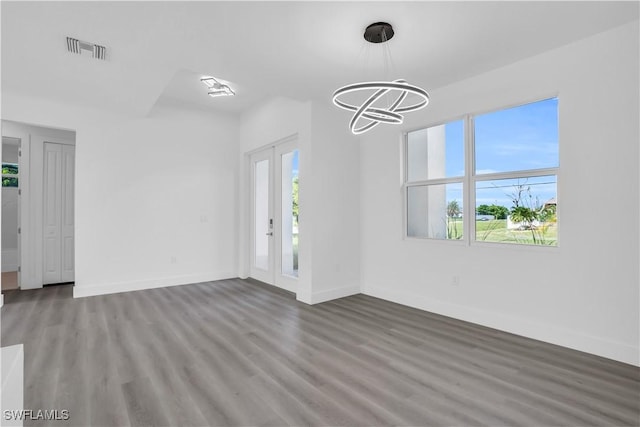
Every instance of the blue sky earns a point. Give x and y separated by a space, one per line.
294 162
519 138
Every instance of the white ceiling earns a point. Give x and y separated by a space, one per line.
157 51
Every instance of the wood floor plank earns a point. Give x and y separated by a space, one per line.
292 411
239 353
144 405
107 406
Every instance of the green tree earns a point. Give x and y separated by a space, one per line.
483 210
523 209
453 209
498 212
9 169
526 210
548 214
295 208
453 212
524 215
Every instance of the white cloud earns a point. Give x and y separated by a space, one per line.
484 171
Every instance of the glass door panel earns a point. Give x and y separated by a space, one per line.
289 216
261 249
262 217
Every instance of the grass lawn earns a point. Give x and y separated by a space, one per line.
496 231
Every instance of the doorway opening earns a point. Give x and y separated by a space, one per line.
38 207
10 213
274 214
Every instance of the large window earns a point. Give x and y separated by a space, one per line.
506 168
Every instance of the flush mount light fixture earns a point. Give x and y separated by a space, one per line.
378 108
216 88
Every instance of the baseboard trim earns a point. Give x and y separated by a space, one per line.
548 333
335 293
80 291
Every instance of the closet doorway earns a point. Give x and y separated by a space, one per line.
11 213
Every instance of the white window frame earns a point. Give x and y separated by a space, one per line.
470 180
434 181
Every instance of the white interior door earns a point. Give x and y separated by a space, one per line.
58 216
262 223
274 225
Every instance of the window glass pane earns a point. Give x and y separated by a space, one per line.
436 152
435 211
289 208
262 226
520 138
520 210
9 181
9 169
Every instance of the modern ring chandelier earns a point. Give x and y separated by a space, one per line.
373 111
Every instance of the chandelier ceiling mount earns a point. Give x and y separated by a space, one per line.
378 32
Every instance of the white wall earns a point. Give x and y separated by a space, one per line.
336 203
584 293
156 197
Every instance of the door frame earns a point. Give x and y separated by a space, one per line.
31 136
36 217
21 172
275 278
23 201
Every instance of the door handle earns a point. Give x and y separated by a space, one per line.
270 233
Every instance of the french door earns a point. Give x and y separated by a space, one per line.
274 215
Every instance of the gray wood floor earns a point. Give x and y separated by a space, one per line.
238 353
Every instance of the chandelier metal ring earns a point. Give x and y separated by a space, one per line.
377 115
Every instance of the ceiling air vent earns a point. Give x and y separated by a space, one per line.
79 47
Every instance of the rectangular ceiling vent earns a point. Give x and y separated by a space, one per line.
80 47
